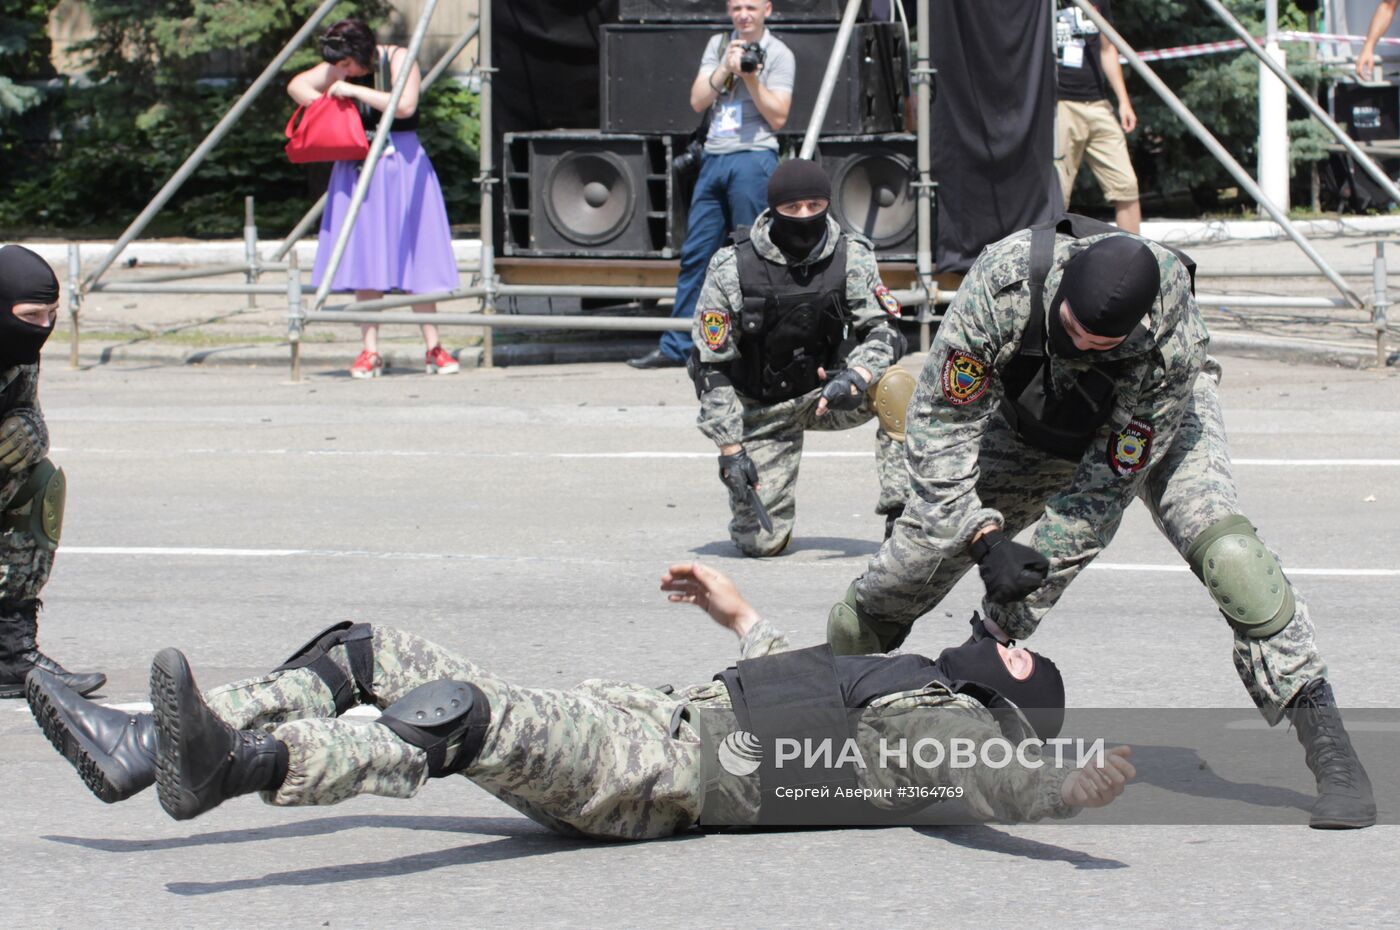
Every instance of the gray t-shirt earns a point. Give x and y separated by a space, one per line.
735 123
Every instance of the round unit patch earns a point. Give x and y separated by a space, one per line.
1129 450
964 378
714 324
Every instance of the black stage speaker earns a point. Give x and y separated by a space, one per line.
647 72
715 11
872 190
583 194
1369 112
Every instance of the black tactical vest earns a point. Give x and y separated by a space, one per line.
795 320
1062 423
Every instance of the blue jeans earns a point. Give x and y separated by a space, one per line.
732 190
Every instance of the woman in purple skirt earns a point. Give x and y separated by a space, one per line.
401 240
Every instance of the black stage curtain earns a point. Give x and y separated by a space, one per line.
993 123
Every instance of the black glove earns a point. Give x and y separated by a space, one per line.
738 471
838 393
1010 571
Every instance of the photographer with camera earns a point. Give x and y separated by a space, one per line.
746 84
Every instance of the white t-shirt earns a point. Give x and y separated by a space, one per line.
735 123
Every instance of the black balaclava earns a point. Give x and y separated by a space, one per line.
25 278
1041 697
797 179
1110 287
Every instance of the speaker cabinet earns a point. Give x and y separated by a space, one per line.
1370 113
872 190
647 72
582 194
714 11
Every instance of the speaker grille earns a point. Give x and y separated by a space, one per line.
589 197
872 189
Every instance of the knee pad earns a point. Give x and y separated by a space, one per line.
37 508
845 633
890 398
358 639
1243 577
446 719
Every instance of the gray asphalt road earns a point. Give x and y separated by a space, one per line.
524 516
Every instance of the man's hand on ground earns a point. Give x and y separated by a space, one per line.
711 591
1099 785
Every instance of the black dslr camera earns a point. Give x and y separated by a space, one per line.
688 162
752 57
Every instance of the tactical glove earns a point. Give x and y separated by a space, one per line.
738 471
19 444
1010 571
838 393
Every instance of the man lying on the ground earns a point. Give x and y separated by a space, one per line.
604 759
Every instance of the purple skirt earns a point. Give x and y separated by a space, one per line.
401 240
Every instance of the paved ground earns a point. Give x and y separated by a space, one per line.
524 515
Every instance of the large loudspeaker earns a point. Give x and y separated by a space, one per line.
583 194
647 72
713 11
872 190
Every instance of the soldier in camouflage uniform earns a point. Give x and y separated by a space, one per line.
605 759
31 488
1055 417
793 300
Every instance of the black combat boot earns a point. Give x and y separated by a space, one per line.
1344 799
19 652
113 751
201 761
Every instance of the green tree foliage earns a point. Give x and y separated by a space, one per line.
161 73
1175 171
24 53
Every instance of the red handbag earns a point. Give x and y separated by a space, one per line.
331 130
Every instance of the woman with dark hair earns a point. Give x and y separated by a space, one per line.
401 240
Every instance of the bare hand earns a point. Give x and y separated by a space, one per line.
711 591
343 89
1365 62
822 405
733 55
1098 785
1127 118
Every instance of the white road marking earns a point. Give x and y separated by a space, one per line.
436 453
144 707
214 552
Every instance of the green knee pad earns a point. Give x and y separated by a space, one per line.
37 508
845 632
1243 577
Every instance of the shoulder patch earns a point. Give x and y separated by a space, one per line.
887 301
964 378
714 326
1129 450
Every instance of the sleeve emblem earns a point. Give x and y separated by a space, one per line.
886 299
964 378
1129 450
714 325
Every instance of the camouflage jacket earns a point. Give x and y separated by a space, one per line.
721 306
960 391
1013 793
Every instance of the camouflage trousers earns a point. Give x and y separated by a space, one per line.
25 565
596 760
773 436
1192 488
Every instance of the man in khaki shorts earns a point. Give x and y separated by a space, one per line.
1087 128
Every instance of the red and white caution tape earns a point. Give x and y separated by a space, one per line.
1234 45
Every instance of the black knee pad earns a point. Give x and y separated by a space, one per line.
446 719
358 639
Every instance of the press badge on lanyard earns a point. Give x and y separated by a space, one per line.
1073 54
728 118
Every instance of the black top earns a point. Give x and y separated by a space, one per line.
368 114
1078 70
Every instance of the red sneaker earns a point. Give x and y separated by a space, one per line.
439 362
367 365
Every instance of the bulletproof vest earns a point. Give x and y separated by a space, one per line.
1060 422
795 320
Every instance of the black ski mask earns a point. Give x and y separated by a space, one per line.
1040 697
25 278
1110 287
797 179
